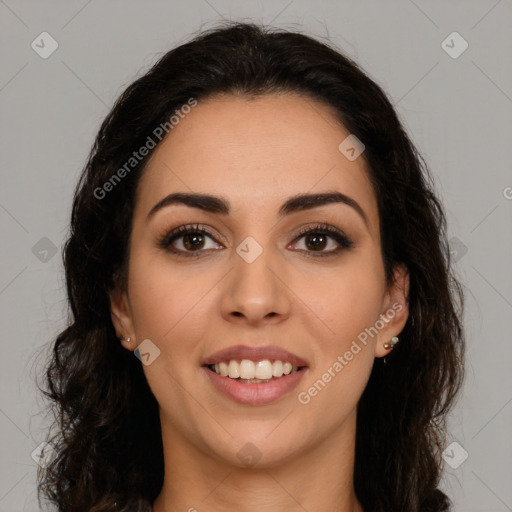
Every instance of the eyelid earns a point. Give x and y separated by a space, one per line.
169 237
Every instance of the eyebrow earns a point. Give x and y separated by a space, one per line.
218 205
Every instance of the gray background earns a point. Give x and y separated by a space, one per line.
457 110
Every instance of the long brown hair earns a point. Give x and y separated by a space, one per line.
102 403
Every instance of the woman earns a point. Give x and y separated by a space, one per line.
255 226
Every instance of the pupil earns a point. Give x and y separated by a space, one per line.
197 241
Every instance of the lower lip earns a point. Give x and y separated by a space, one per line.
255 394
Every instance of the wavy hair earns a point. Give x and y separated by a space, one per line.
102 404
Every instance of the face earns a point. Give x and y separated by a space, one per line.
245 273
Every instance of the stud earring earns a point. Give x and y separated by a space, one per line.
394 340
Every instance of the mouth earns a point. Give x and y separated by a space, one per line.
246 371
254 375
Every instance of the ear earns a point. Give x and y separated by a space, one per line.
395 310
120 313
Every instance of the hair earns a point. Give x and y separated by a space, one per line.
102 404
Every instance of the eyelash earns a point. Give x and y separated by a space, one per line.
165 242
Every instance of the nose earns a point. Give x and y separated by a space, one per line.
256 293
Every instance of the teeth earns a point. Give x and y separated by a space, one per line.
277 369
248 370
263 370
233 370
223 369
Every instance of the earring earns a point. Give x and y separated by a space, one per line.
127 340
392 342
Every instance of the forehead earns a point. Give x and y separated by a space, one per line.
256 151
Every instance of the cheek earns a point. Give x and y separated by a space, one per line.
347 299
349 305
169 304
333 393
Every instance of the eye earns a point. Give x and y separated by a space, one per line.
192 240
321 236
188 239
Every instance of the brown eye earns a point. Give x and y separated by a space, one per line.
193 240
189 239
323 240
316 241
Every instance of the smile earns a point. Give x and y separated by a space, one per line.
253 390
250 372
254 375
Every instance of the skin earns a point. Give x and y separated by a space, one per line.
256 153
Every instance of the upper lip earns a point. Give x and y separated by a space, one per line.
254 354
